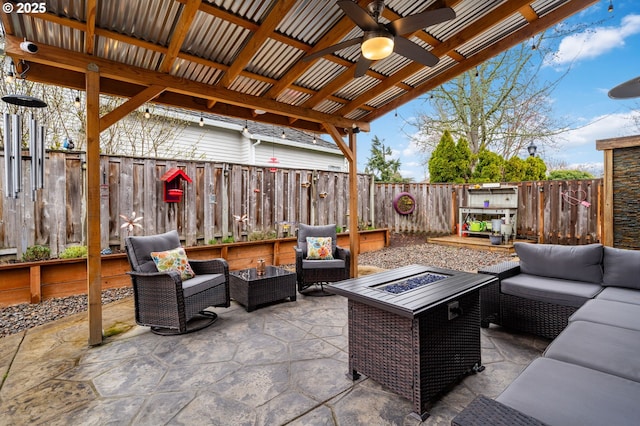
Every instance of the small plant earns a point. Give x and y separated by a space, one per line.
36 252
228 240
338 229
74 252
213 241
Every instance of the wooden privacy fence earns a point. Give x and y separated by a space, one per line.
218 192
556 211
547 210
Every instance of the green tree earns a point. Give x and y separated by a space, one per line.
514 169
570 174
381 165
449 162
534 169
488 168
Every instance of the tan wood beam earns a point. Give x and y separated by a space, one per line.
89 36
350 153
519 36
6 22
445 48
607 210
257 39
94 267
60 58
180 33
126 108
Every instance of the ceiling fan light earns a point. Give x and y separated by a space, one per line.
377 45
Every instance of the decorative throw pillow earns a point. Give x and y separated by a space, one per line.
173 260
319 248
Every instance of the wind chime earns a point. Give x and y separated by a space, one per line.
13 143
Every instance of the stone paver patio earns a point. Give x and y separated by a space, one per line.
282 364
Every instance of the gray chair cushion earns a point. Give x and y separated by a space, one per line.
605 348
618 314
323 264
305 231
621 268
578 263
201 283
559 393
550 290
139 249
618 294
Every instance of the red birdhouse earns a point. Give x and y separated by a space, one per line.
172 185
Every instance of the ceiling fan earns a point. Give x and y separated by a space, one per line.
380 40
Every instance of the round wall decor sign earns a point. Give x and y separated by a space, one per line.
404 203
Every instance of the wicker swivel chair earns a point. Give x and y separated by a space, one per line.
163 300
317 272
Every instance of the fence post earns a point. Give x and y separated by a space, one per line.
540 213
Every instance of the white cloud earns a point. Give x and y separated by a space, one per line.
601 127
594 42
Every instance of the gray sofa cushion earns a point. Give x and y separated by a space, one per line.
618 294
550 290
618 314
201 283
621 268
559 393
578 263
605 348
323 264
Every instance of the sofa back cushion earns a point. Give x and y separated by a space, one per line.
621 268
577 263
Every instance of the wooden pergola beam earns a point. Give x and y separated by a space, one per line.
129 106
69 61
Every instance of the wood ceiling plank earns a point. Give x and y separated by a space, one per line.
280 9
180 33
90 27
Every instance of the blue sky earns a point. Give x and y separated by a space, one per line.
598 58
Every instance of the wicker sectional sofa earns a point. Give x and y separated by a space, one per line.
588 299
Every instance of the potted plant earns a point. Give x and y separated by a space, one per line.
486 203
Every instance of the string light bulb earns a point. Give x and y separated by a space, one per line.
315 141
201 123
147 114
610 8
77 102
284 136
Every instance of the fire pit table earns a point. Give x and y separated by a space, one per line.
415 329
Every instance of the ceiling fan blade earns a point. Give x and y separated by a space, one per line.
410 50
362 66
412 23
334 48
358 15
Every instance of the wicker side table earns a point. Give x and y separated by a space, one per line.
250 289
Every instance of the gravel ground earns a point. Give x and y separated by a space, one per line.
403 250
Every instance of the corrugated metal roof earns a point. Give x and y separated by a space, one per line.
137 33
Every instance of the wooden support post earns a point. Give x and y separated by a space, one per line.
454 211
540 213
34 282
607 211
354 235
94 268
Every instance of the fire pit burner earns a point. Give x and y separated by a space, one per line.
413 282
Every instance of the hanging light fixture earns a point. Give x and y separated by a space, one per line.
245 131
147 114
284 136
377 45
18 99
201 123
77 102
315 141
610 8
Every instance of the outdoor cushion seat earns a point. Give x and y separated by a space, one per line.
559 393
163 301
312 272
551 290
601 347
618 294
618 314
321 264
